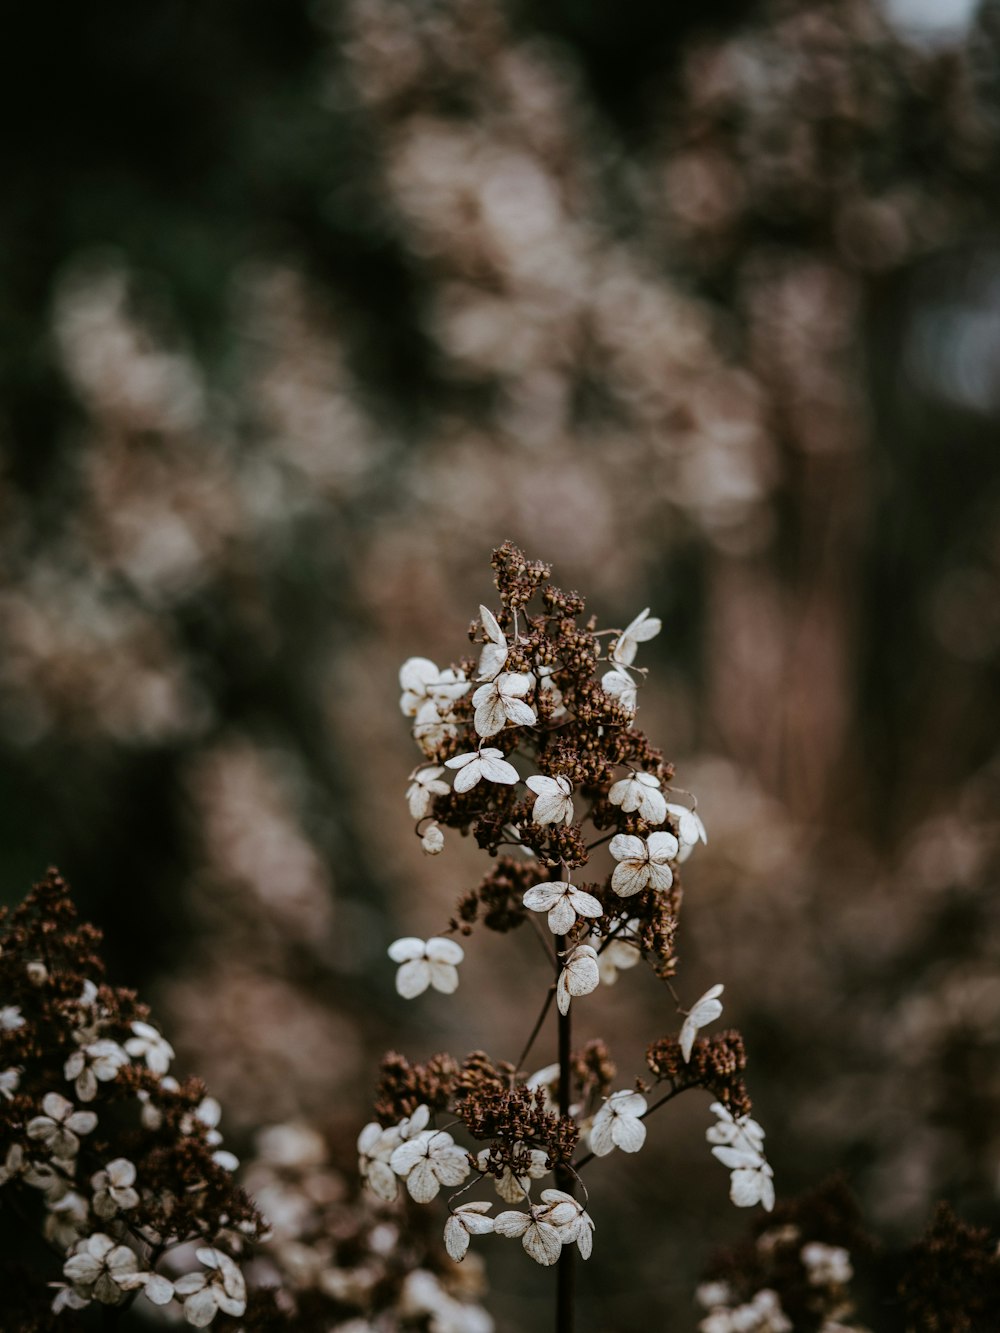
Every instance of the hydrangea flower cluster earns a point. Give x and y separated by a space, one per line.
114 1162
549 773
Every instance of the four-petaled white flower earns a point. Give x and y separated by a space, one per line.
433 840
502 701
424 786
702 1012
493 658
100 1061
541 1240
376 1146
643 628
570 1219
621 686
826 1265
555 799
617 951
564 902
641 792
618 1124
762 1314
642 862
220 1288
147 1044
740 1147
426 963
421 681
489 764
468 1219
10 1018
59 1128
10 1080
102 1270
514 1188
580 975
113 1192
428 1161
690 828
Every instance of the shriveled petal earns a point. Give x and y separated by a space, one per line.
512 1224
460 760
82 1122
498 770
562 917
382 1181
626 846
601 1138
159 1289
662 846
422 1182
468 776
401 951
56 1106
492 660
489 717
408 1154
417 673
543 1243
456 1239
514 684
541 897
627 1102
630 877
520 713
200 1308
491 626
585 904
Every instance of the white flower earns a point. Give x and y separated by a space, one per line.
425 963
702 1012
433 840
101 1060
422 682
221 1288
740 1148
428 1161
618 1125
493 658
502 701
376 1146
640 791
555 800
642 862
13 1163
621 686
67 1221
690 829
60 1126
580 976
425 784
620 951
432 727
489 764
563 901
570 1219
468 1219
826 1265
541 1240
113 1192
10 1018
514 1188
643 628
10 1080
102 1271
147 1044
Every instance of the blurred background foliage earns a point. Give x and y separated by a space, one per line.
304 308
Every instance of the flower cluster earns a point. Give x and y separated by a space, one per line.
536 731
118 1164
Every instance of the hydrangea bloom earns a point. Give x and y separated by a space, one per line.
468 1219
424 963
425 785
642 862
570 1219
428 1161
690 828
622 688
702 1012
618 1124
641 792
221 1287
493 658
376 1146
502 701
579 976
97 1062
60 1126
643 628
489 764
102 1270
563 902
146 1043
555 799
740 1147
113 1192
541 1240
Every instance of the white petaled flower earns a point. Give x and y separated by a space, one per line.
740 1147
67 1221
59 1128
424 786
618 951
643 628
489 764
10 1080
13 1163
113 1192
580 975
641 792
376 1146
618 1124
690 828
502 701
428 1161
763 1314
98 1062
220 1288
493 658
102 1270
514 1188
468 1219
10 1018
563 902
826 1265
541 1240
570 1219
147 1044
432 727
621 686
422 682
642 862
433 840
554 804
702 1012
424 963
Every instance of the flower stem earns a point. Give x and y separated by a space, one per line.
565 1177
